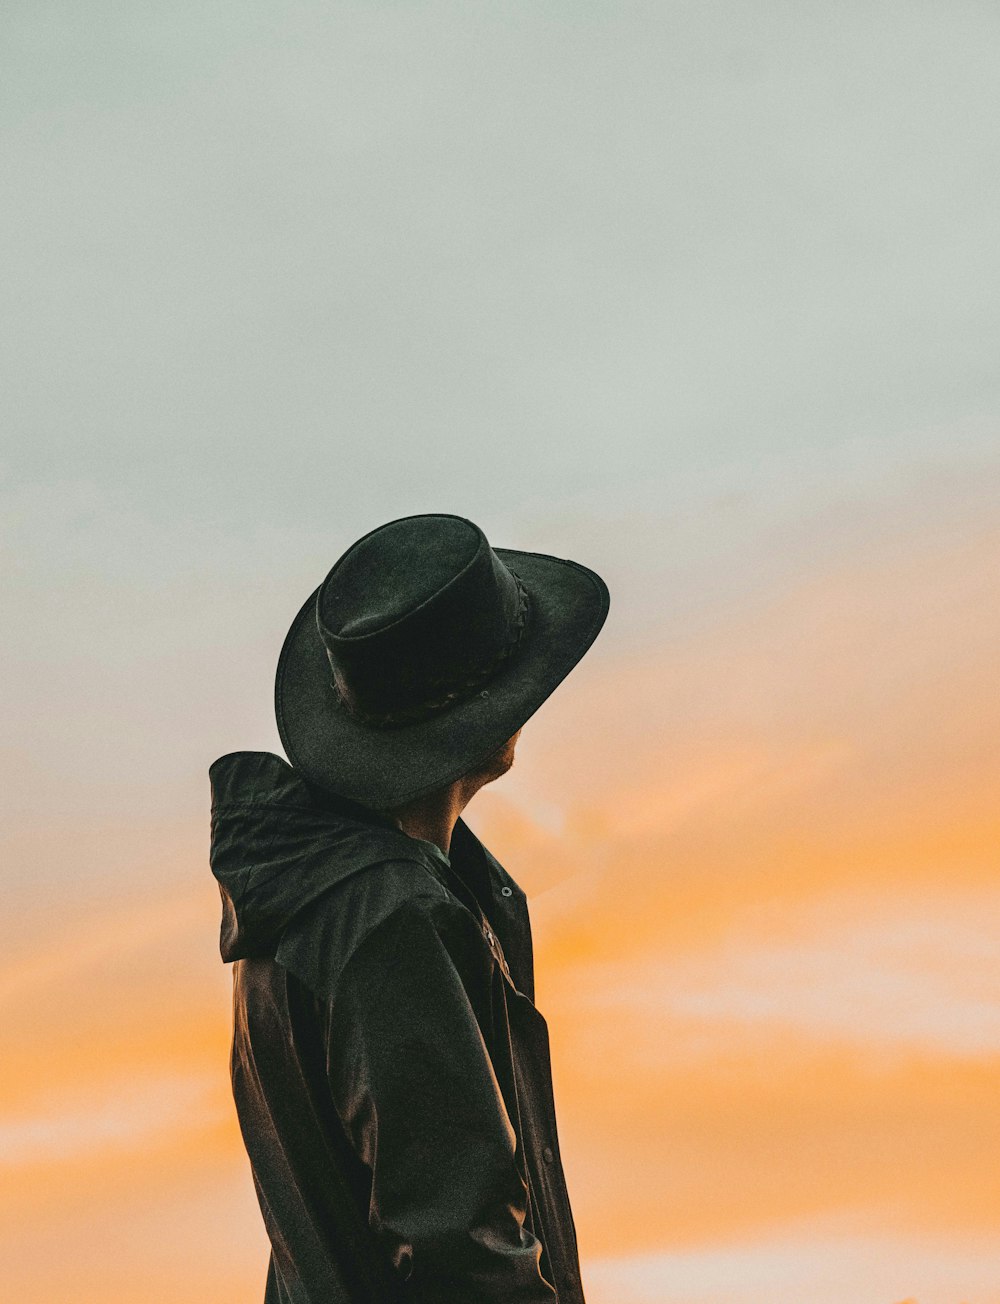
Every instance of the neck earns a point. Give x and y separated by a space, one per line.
434 817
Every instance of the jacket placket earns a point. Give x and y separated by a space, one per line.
530 1051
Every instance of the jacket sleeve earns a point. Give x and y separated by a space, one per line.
414 1084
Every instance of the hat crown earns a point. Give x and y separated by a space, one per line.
394 569
415 616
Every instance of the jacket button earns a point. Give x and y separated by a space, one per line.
506 891
547 1155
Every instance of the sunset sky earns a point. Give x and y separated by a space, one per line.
705 296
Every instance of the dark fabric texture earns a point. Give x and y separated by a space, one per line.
417 607
390 1070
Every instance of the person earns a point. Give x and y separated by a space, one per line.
390 1069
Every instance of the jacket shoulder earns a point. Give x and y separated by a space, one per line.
322 938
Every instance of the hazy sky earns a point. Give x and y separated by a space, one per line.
706 296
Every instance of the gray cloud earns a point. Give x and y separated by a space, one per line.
686 276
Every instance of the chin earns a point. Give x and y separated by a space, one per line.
497 768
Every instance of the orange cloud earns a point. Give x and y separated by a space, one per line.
761 860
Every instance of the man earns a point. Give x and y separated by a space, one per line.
390 1070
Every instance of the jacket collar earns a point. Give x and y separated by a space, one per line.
278 843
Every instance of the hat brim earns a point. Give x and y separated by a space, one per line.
385 767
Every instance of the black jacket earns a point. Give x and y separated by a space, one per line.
390 1070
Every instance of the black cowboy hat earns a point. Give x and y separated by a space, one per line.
422 652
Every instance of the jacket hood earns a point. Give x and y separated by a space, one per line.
279 842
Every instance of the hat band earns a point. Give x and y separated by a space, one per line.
453 694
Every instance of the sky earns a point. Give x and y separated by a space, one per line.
704 296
